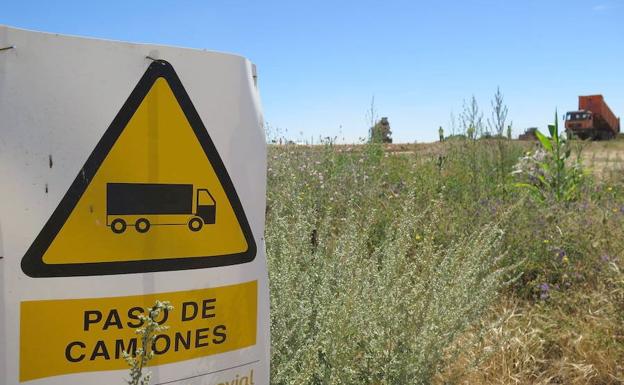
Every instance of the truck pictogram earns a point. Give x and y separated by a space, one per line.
145 204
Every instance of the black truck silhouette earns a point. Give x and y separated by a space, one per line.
137 204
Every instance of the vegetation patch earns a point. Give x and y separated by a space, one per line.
427 264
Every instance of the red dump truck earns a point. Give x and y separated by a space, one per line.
593 120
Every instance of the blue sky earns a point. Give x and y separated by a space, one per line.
321 62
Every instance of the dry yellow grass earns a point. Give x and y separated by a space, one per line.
605 159
579 341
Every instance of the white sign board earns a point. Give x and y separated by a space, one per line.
128 174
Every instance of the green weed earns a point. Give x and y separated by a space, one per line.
547 172
148 331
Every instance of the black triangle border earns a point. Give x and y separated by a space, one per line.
32 262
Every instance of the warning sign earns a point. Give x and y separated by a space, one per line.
95 331
153 195
129 179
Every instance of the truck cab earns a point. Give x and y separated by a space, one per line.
577 121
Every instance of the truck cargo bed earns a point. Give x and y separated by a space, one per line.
148 198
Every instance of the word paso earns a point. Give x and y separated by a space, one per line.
77 351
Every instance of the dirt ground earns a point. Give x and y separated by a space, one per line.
604 159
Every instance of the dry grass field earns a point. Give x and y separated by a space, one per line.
605 159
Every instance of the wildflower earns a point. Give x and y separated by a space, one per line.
417 237
546 241
565 260
544 291
609 188
540 155
605 258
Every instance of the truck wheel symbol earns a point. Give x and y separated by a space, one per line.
195 224
142 225
118 226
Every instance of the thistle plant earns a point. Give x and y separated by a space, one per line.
550 171
149 330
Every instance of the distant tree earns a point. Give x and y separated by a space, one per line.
380 132
509 132
471 118
470 132
497 123
441 133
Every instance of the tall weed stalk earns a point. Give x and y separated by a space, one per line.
551 172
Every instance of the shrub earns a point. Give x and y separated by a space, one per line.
366 286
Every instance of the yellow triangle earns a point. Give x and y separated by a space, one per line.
155 196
